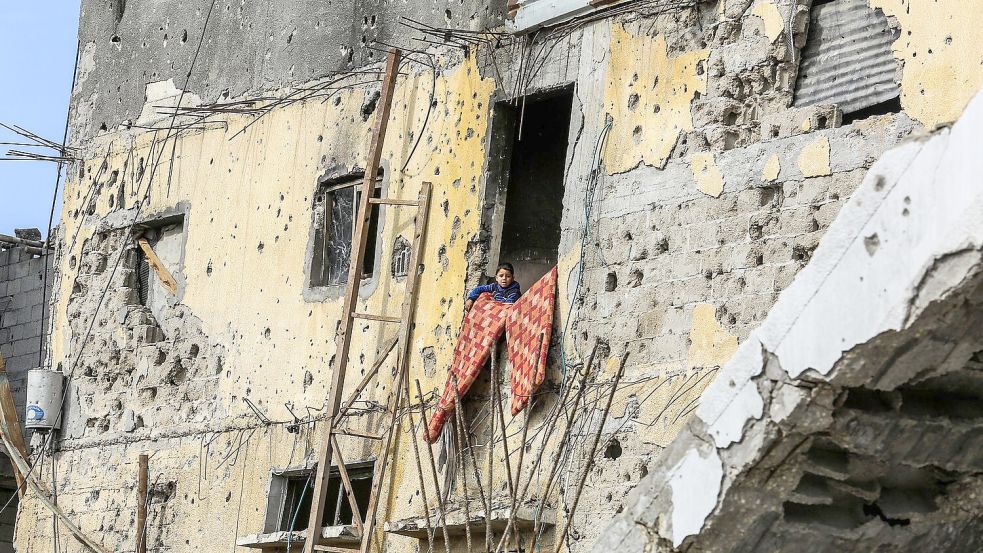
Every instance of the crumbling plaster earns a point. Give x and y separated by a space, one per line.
251 47
694 273
939 49
922 202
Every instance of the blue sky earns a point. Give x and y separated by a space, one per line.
37 53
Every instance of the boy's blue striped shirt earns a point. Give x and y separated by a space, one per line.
508 294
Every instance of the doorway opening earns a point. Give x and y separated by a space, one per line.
533 135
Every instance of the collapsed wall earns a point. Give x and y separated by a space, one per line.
678 195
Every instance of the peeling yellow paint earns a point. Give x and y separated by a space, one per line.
814 158
649 102
774 24
706 174
939 45
807 125
710 344
257 189
674 395
772 168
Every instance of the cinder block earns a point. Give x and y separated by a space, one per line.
19 270
36 311
25 347
23 315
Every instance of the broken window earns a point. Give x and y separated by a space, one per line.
848 61
160 253
288 505
534 135
335 213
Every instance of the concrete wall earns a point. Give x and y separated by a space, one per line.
21 308
693 196
21 326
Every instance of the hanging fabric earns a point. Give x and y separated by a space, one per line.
530 324
483 326
529 328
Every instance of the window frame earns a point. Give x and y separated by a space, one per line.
279 484
322 199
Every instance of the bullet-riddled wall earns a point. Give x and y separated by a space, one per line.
694 189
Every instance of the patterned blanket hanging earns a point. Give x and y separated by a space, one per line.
529 322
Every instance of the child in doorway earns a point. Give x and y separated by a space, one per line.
505 289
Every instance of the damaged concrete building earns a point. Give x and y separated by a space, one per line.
764 217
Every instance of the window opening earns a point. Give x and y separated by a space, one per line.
401 257
535 164
289 504
335 213
166 238
848 60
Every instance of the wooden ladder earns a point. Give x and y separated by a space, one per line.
329 450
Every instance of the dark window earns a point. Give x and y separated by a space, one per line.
535 132
289 504
143 276
848 60
335 212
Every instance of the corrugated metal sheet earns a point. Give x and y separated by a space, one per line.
847 59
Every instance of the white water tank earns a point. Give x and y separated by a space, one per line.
44 399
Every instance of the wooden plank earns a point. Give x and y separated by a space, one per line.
332 549
141 546
366 379
8 411
391 201
162 273
405 331
347 486
320 491
371 317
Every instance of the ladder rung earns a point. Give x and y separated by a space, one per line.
347 432
393 201
372 317
335 549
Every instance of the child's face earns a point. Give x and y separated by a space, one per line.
503 277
